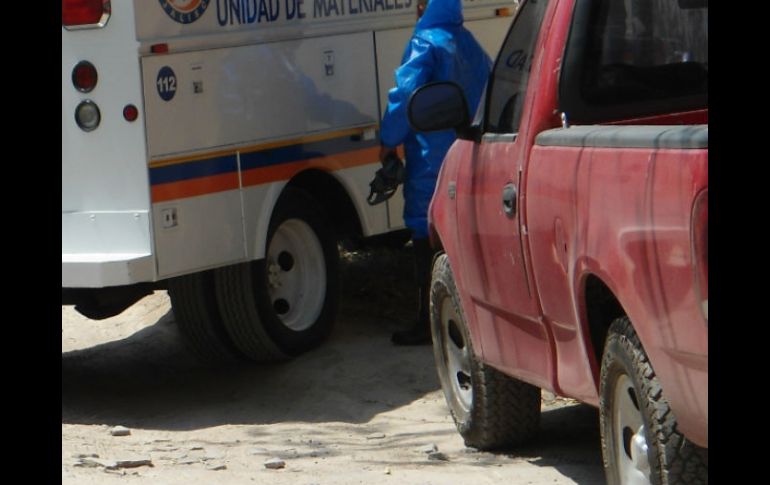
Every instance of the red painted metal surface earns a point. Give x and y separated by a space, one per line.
622 215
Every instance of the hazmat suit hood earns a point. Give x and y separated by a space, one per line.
441 12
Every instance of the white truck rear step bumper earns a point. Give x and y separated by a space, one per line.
96 270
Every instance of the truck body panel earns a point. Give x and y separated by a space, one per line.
235 100
610 201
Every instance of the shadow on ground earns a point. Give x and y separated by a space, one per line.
150 381
151 378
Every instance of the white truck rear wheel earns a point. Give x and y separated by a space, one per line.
285 304
196 312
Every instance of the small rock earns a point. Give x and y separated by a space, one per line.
94 462
195 447
114 471
438 456
429 448
275 463
216 466
258 451
375 436
187 461
387 471
120 431
133 462
85 455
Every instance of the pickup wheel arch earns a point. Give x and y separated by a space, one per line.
601 309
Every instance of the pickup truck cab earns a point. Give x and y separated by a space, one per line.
572 218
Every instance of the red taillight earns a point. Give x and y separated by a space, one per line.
700 250
84 76
130 112
83 12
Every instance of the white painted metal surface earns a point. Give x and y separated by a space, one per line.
249 94
260 93
296 274
106 237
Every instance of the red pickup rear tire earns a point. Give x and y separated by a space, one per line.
491 410
640 441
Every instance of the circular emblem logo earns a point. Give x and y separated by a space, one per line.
184 11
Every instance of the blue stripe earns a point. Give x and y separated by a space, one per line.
258 159
193 170
302 151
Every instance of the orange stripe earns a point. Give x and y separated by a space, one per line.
286 171
194 187
256 176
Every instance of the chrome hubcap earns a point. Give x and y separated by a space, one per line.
457 356
630 436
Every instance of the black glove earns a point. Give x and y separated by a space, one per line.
386 180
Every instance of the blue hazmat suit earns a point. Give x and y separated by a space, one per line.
440 49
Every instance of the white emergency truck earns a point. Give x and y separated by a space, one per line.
221 149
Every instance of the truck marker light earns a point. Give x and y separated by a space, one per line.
130 112
87 115
84 77
85 13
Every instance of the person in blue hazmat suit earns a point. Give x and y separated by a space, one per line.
440 49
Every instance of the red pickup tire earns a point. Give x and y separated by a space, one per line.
490 409
638 430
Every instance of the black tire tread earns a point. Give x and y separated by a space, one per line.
505 411
681 462
239 315
508 413
197 316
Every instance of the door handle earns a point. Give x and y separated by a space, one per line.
509 200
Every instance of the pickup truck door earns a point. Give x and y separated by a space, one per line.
512 335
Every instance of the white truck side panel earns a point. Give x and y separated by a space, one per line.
207 233
261 92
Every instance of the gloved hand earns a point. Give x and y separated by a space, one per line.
386 179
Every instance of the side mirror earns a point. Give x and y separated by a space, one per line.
438 106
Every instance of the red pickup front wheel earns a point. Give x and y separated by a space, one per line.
640 443
490 409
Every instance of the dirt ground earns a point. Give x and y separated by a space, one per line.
357 410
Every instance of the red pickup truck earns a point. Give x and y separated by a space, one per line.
572 221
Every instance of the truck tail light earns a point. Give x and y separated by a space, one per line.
84 76
700 250
81 13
